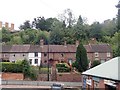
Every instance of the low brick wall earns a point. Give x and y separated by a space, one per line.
69 77
42 77
12 76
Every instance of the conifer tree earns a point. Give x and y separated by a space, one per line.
81 58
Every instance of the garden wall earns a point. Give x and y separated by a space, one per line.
69 77
12 76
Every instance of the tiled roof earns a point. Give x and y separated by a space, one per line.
34 48
20 48
98 48
59 48
101 48
107 70
55 48
6 48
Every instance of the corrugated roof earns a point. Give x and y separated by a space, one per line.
109 70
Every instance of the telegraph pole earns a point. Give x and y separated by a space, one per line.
118 16
48 60
118 27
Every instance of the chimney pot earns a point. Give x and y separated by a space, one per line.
65 43
41 42
12 26
0 24
6 25
77 43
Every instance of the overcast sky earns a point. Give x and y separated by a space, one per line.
17 11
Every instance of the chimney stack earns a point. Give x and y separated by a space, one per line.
65 43
6 25
93 41
0 25
12 26
41 42
77 43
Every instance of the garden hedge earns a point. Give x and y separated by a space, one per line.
10 67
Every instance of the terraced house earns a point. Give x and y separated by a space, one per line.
41 54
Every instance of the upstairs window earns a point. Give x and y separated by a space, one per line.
45 54
96 54
108 54
36 54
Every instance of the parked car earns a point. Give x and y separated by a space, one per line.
57 86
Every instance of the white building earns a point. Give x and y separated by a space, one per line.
34 55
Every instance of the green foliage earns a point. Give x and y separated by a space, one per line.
26 68
6 36
65 28
26 25
56 36
45 70
33 73
96 31
81 58
95 63
11 67
62 67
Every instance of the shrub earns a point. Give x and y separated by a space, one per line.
95 63
63 67
19 67
11 67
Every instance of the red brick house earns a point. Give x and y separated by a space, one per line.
67 53
57 53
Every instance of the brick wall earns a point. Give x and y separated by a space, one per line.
58 57
42 77
69 77
64 77
12 76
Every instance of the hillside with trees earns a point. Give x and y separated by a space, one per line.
64 28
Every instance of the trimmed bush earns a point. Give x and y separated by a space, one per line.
11 67
95 63
63 67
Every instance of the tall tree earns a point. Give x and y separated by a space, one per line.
118 27
109 27
26 25
6 36
81 58
95 31
56 35
39 23
79 29
67 17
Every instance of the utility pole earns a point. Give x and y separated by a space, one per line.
48 60
118 27
118 16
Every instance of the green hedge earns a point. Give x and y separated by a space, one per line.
10 67
63 67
